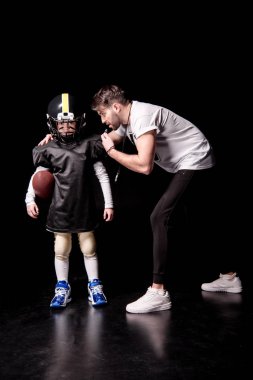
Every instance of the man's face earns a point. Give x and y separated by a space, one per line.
109 116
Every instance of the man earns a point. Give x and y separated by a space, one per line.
164 138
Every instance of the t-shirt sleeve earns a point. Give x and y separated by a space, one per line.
145 124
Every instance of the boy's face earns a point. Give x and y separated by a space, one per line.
66 128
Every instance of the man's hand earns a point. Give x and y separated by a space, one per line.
46 140
107 142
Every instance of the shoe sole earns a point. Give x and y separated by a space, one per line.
60 306
97 304
220 290
142 311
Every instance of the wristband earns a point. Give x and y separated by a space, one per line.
112 147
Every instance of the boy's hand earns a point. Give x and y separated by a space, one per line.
32 210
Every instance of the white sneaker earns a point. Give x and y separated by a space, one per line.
228 283
153 300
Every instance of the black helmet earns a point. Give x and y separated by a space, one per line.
63 108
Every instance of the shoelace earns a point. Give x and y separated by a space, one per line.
97 289
150 294
60 292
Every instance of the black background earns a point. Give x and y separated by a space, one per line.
193 61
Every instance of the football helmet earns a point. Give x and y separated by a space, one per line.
63 109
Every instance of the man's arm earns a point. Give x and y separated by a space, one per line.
143 161
46 139
115 137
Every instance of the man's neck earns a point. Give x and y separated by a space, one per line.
127 114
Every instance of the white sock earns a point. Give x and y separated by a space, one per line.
91 266
61 269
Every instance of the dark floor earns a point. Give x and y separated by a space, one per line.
204 336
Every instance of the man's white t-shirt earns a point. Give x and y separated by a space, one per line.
179 143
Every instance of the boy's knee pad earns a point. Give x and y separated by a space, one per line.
87 243
62 245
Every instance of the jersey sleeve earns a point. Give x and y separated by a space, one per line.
39 158
97 150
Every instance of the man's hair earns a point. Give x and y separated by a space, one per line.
107 95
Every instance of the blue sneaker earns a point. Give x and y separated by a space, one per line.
96 294
62 295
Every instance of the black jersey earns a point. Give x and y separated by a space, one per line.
73 207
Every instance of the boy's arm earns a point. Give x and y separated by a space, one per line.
104 181
31 206
30 194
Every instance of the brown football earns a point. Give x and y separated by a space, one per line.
43 184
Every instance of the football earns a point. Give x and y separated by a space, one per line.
43 184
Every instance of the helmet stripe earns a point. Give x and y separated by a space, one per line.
65 103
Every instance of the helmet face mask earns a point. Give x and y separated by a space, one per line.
62 109
66 130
